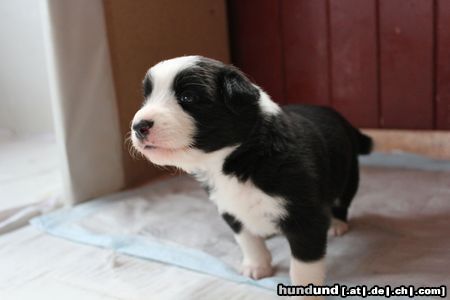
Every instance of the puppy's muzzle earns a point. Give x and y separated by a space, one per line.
142 129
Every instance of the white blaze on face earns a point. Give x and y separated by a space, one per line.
173 128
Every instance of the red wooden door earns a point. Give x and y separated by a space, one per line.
381 63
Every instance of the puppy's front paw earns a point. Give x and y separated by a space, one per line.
257 271
338 227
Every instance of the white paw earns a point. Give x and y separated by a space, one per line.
338 227
257 271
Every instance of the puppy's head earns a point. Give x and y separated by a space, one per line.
195 105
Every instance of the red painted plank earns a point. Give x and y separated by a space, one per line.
443 65
406 61
354 60
304 24
256 43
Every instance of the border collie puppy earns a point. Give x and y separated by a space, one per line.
269 169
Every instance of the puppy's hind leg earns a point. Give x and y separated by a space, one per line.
338 227
257 259
339 224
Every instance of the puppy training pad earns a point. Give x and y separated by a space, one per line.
399 230
171 221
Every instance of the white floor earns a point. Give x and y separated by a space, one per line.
28 169
30 181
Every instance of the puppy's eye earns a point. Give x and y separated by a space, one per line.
187 97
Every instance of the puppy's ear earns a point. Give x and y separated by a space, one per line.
237 91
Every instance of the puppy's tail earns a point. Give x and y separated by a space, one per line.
365 143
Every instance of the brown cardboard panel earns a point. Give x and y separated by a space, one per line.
142 33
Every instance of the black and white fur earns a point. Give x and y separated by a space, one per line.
269 169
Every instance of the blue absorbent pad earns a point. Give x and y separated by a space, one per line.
172 221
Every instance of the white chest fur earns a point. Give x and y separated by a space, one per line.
257 211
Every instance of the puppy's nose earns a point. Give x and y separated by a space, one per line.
142 128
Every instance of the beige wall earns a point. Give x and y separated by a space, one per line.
435 144
141 33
